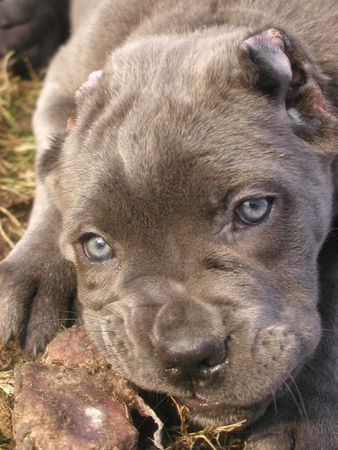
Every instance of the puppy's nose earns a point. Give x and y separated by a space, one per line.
192 357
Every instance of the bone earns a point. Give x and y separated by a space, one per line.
70 399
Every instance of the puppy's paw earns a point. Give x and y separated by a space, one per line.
35 299
315 433
271 439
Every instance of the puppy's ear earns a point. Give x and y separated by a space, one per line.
278 66
48 161
88 85
81 93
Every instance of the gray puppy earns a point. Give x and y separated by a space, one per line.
184 192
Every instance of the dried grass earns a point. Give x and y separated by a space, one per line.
9 358
17 101
208 438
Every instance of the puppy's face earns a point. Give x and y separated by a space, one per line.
194 213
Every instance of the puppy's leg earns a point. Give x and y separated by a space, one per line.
37 285
299 422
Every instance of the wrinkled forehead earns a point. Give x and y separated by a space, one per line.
168 136
161 156
184 65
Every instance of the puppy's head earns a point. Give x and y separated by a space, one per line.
195 191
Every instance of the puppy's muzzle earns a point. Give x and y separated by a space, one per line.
188 342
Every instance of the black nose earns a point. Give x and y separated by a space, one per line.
192 356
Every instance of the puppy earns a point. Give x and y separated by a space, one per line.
184 192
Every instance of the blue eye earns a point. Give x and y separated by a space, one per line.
97 249
254 211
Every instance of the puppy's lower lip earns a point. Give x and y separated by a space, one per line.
199 404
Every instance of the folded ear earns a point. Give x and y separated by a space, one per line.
89 84
85 88
278 66
47 163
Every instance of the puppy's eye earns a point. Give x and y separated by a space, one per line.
97 249
254 211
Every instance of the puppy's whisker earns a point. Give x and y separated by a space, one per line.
299 395
115 354
42 322
99 317
328 330
113 350
154 408
99 332
81 314
293 398
311 367
118 365
163 399
274 402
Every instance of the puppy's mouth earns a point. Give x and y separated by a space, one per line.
201 405
208 412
